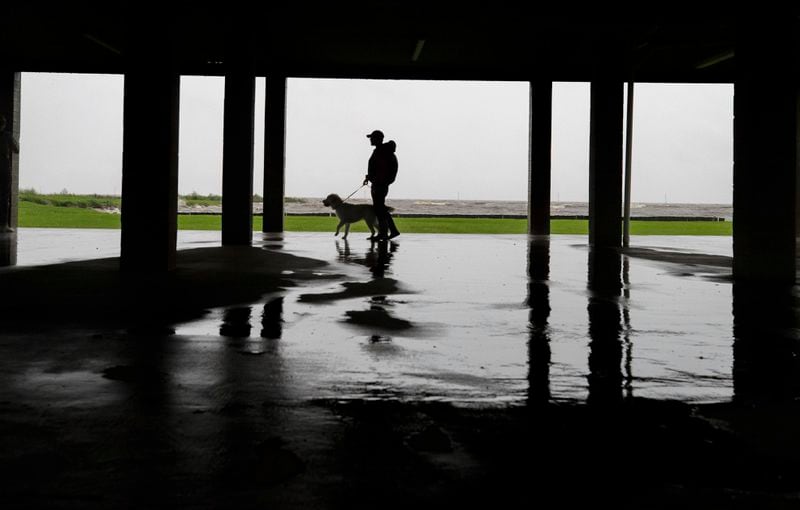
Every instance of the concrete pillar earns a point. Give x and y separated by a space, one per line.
150 167
274 152
605 163
766 368
9 179
540 161
765 170
237 158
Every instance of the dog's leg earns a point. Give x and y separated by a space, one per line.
339 226
346 230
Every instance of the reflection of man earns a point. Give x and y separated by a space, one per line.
8 147
381 172
379 262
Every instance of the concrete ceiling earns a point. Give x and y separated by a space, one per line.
479 40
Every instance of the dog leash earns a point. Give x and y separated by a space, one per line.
353 193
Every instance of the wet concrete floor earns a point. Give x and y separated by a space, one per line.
310 372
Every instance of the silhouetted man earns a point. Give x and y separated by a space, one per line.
381 172
8 147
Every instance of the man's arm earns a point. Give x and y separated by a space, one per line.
369 171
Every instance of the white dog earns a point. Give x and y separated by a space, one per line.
351 213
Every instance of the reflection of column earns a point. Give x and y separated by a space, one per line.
605 326
539 303
236 322
626 330
8 249
244 437
765 354
272 319
147 432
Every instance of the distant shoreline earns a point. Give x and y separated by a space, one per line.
195 204
504 209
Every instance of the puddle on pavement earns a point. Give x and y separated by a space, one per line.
492 319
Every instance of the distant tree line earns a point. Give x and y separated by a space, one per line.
95 201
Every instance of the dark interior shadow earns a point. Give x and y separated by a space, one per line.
684 263
678 257
96 292
142 441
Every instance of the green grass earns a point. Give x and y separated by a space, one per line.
38 215
510 226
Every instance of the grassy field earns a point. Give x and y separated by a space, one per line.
40 215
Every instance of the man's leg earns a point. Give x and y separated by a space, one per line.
393 232
379 202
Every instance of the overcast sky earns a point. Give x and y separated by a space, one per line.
466 140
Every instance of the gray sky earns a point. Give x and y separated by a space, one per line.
465 140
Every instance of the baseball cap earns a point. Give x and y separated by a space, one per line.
377 133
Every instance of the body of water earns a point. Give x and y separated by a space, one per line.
491 208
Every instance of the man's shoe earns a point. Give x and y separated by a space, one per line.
393 235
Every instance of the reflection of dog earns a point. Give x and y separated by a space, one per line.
351 213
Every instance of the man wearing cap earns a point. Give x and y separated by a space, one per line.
381 172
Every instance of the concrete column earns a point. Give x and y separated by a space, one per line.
9 180
150 167
237 158
605 163
274 152
765 170
766 367
540 161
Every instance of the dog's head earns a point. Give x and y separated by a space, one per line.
332 200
